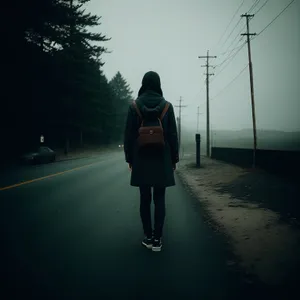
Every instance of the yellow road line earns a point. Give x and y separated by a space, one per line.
44 177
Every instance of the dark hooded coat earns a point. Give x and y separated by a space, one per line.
150 168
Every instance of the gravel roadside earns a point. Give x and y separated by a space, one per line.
258 212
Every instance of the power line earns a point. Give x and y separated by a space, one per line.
231 32
230 60
240 73
234 48
231 21
228 57
238 35
276 17
261 7
253 6
230 51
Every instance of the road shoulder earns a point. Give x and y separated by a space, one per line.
244 206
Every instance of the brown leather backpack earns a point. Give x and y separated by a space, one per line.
151 134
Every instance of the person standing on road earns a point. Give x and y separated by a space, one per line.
151 150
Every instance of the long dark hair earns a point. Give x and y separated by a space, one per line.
151 81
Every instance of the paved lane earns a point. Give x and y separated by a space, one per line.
77 236
20 173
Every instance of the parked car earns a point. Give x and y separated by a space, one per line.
41 155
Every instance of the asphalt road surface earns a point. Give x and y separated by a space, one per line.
71 230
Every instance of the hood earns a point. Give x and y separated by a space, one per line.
150 99
151 81
150 104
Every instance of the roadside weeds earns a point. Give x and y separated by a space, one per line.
83 153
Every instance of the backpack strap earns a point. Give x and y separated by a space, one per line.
161 116
165 110
137 110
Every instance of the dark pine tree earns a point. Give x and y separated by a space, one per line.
122 95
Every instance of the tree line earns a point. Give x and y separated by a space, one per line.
53 83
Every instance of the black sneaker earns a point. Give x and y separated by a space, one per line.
147 242
157 244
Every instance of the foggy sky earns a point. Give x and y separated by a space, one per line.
168 36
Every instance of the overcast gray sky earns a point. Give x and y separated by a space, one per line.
168 36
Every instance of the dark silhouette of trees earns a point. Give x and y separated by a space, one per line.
52 78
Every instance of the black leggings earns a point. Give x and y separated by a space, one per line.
159 212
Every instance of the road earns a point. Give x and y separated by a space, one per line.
72 230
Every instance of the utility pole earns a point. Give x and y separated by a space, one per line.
207 101
198 119
179 121
198 114
247 16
